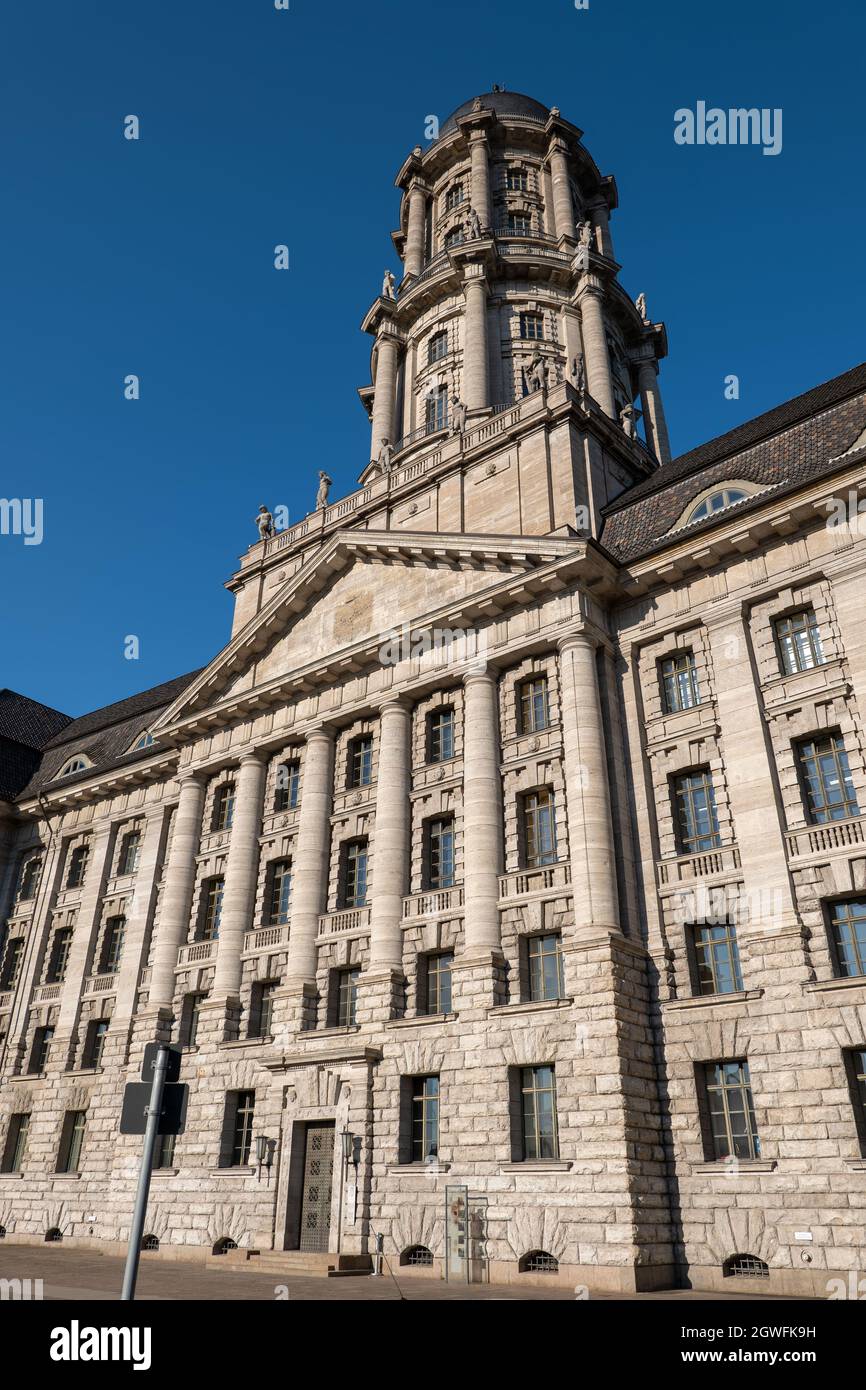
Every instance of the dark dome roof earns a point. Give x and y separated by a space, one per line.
504 104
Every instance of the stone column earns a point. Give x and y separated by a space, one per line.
415 229
476 390
311 864
176 903
601 218
563 208
140 913
480 177
598 379
571 334
482 813
242 870
391 844
385 394
653 411
590 828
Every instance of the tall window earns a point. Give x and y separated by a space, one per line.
16 1143
163 1154
798 642
454 196
360 764
95 1043
532 326
438 982
280 897
344 1007
425 1118
11 962
533 704
716 959
519 224
71 1141
112 948
828 787
130 850
224 807
544 966
437 347
77 866
241 1107
679 679
59 957
440 735
288 782
848 927
29 880
40 1050
539 828
538 1112
212 906
697 823
189 1019
354 874
516 179
439 852
436 410
262 1009
856 1060
731 1112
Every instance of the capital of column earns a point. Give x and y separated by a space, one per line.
581 638
488 676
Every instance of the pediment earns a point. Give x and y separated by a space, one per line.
358 592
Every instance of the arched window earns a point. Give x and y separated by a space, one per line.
538 1262
224 1245
76 764
745 1267
54 1236
150 1243
416 1255
716 502
143 742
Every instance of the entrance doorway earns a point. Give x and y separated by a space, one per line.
314 1207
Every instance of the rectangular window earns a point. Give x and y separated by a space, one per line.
440 735
212 906
360 767
848 927
261 1009
288 784
697 823
224 807
16 1143
539 828
828 787
77 866
679 681
344 1009
71 1141
520 224
436 411
798 642
538 1112
454 196
189 1019
439 852
437 348
354 874
95 1042
242 1106
29 879
425 1118
11 962
40 1050
716 959
544 966
733 1130
112 949
533 705
280 897
517 180
163 1154
532 326
59 958
856 1066
130 850
438 983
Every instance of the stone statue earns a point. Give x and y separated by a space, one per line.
584 235
322 494
458 415
388 291
265 523
537 372
473 224
640 305
578 374
627 420
385 456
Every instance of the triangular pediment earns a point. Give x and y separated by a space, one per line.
358 592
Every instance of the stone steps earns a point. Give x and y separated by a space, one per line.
324 1265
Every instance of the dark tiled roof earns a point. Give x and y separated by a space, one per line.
27 721
503 103
784 448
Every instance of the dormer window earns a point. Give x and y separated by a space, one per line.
77 764
144 741
716 502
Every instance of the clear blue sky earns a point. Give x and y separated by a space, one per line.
260 126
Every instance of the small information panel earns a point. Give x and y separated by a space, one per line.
457 1233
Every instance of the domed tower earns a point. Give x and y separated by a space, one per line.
510 298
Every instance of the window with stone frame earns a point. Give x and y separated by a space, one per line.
210 909
714 958
419 1119
847 930
531 325
359 761
343 997
262 1008
112 944
798 641
516 179
727 1110
454 197
77 867
71 1141
163 1154
223 807
542 967
353 873
694 802
58 955
28 879
279 892
16 1142
437 347
855 1067
440 734
537 818
12 957
438 852
533 705
534 1122
436 409
826 782
287 783
94 1043
678 677
130 852
238 1129
435 982
40 1049
453 238
190 1013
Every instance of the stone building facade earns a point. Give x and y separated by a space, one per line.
512 844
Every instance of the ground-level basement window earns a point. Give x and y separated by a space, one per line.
746 1266
223 1246
538 1262
417 1255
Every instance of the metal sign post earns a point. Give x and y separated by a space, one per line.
130 1273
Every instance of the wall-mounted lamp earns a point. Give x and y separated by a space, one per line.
264 1153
